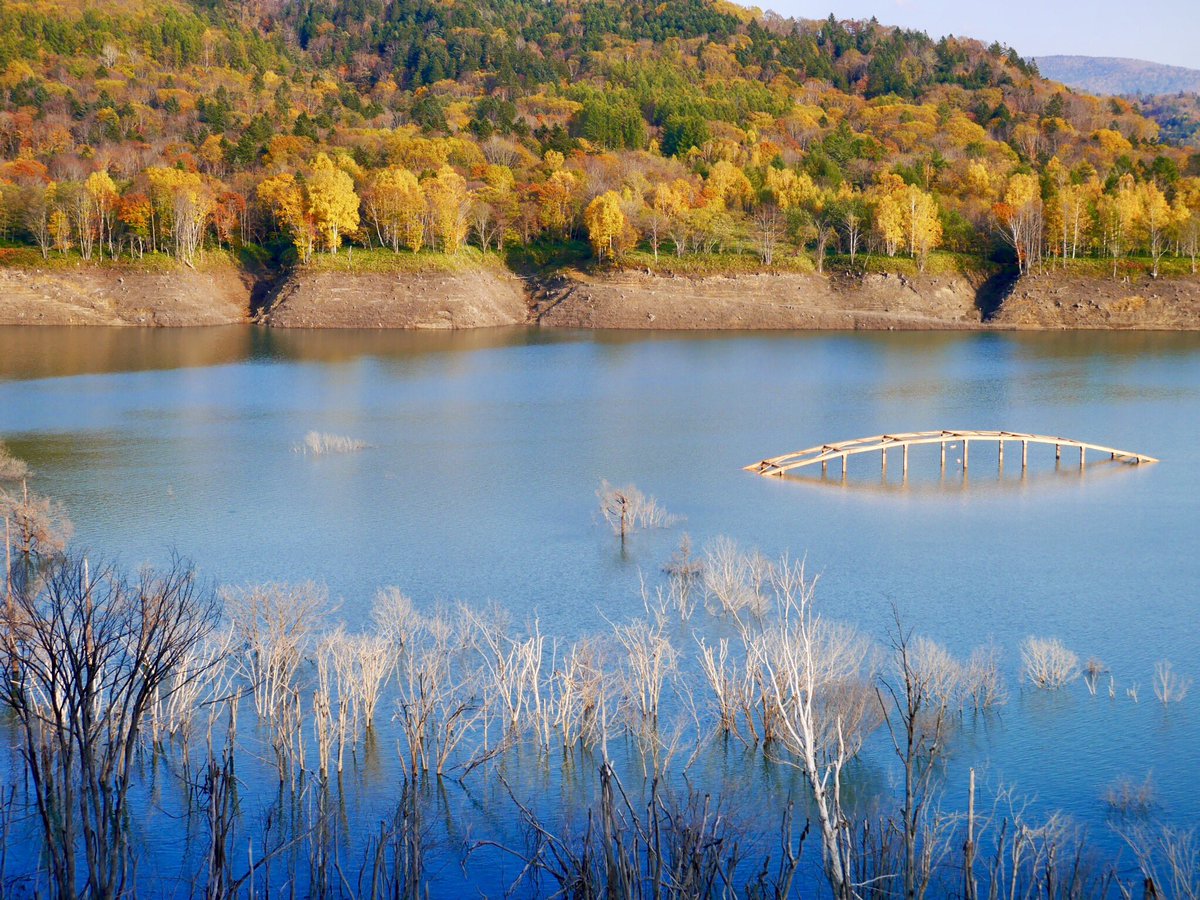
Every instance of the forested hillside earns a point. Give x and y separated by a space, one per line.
1115 75
684 127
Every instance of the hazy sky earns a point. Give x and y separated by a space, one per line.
1165 31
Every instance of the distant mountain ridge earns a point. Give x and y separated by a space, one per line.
1117 75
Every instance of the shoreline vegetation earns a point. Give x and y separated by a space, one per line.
225 694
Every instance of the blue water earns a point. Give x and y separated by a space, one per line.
485 452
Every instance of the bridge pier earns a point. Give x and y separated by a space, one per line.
966 453
1000 444
1024 454
943 445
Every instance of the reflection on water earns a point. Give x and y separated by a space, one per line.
57 351
954 479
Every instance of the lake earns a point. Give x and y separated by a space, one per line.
486 449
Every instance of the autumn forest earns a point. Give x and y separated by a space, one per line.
683 130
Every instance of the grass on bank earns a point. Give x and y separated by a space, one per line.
546 257
1127 267
382 261
30 258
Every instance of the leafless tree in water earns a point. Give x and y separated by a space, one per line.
87 652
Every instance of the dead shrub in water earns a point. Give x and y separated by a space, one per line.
580 691
1048 664
35 526
735 582
11 468
1092 670
984 686
317 443
626 509
1127 798
275 624
651 661
818 677
1169 686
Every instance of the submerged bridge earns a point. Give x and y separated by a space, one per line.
882 443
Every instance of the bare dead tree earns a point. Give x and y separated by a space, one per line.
735 583
86 653
1169 859
770 228
626 509
917 698
580 692
819 679
669 848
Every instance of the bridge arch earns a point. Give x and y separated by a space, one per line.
822 454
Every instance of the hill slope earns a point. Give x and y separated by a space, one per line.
1115 75
695 128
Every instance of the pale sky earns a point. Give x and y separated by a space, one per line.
1165 31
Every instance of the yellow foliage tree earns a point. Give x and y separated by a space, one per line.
888 203
1021 217
396 207
103 196
183 202
1118 212
332 202
1154 219
791 190
605 223
727 185
284 196
921 223
449 205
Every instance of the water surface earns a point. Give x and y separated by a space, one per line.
486 449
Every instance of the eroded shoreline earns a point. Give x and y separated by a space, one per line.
490 296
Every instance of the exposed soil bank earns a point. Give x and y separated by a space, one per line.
475 298
114 295
486 296
763 301
1056 299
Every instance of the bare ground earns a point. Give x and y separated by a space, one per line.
473 299
485 297
762 301
1056 299
114 295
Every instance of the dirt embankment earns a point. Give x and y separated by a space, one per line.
487 296
115 295
469 299
1058 299
760 301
